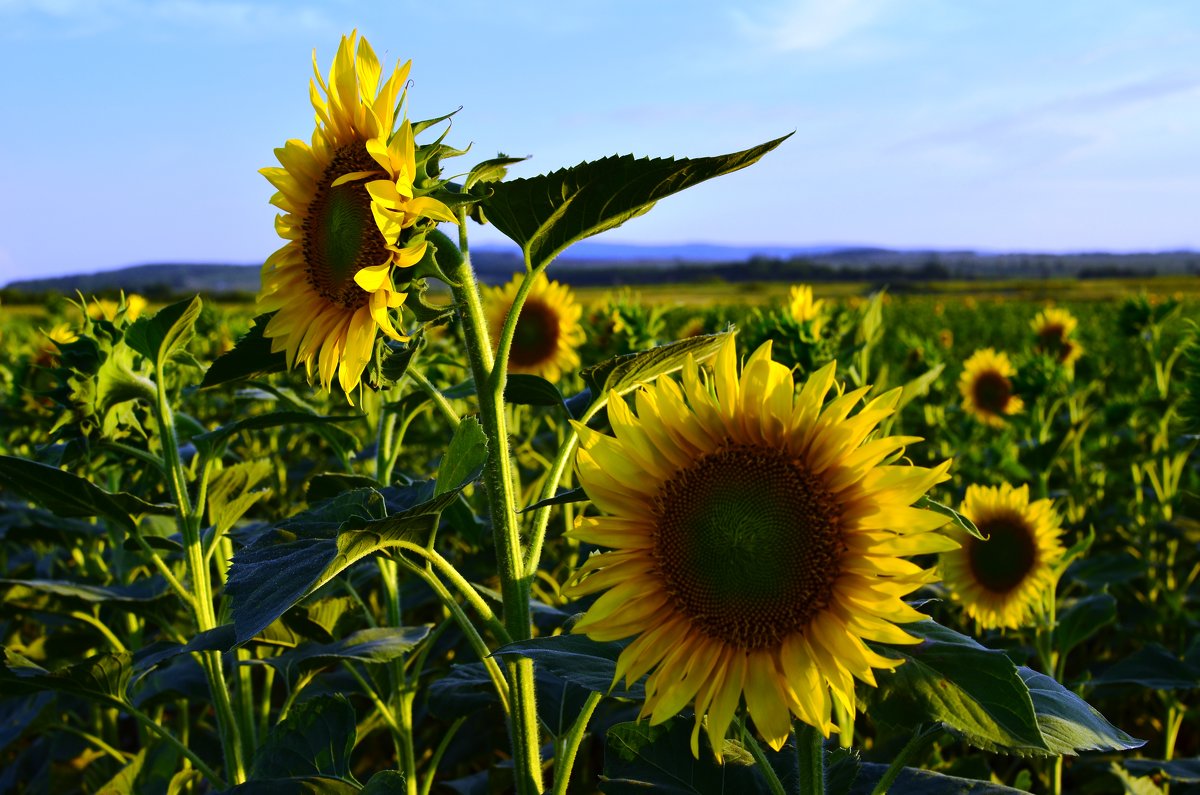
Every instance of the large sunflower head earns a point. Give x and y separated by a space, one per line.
355 210
987 388
1054 328
804 309
1003 581
755 539
548 333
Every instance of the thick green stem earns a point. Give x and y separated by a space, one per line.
489 377
810 756
568 746
189 526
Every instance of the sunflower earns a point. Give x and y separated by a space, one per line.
1003 580
108 309
756 541
804 309
548 331
1054 328
352 214
987 389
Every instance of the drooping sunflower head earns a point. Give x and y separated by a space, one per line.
1054 328
355 213
548 333
754 540
1004 581
987 388
804 309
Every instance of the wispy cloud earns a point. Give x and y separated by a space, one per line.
90 17
809 25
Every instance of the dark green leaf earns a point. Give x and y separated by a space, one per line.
1151 666
104 677
250 357
70 495
315 739
162 337
1083 618
374 645
1184 771
563 497
465 689
640 758
386 782
267 578
392 359
464 458
307 785
622 373
976 691
492 170
330 484
926 782
212 442
147 590
216 639
579 660
1069 723
545 214
17 714
527 389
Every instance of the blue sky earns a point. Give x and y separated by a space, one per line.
133 129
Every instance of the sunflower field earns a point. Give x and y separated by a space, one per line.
393 531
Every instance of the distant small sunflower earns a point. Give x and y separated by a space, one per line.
108 309
804 309
987 389
548 333
350 204
755 539
1002 581
1054 329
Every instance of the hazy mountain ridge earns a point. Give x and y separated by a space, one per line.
615 264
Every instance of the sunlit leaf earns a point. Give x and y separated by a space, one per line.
622 373
1069 723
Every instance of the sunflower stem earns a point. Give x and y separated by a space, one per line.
760 760
914 746
205 616
810 756
489 376
568 746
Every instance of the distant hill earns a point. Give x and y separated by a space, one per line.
615 264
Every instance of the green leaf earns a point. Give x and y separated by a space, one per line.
978 692
147 590
925 782
374 645
547 213
640 758
267 578
18 714
328 485
1184 771
563 497
250 357
230 495
386 782
964 523
315 739
125 781
622 373
579 660
166 335
392 359
69 495
104 677
300 785
492 170
213 442
527 389
919 386
1069 723
463 459
1083 618
1151 666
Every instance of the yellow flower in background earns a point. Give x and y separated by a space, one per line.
348 199
987 389
548 332
63 334
1054 328
755 540
108 309
1002 582
804 309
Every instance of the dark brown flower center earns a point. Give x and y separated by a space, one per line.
535 339
748 543
992 392
1004 560
1053 340
340 234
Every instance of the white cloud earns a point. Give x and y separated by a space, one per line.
809 25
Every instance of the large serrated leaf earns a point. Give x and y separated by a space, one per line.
1069 723
547 213
267 578
250 357
315 739
622 373
165 335
978 692
464 458
71 496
